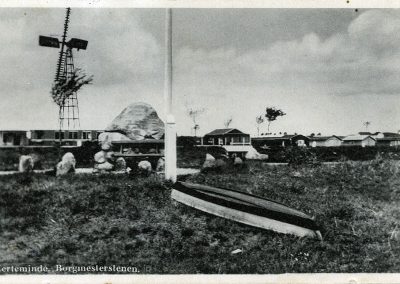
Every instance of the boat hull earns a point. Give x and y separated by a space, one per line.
246 208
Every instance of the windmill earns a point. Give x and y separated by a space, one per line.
68 80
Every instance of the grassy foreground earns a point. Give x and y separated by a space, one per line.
123 220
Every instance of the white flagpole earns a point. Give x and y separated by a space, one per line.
170 127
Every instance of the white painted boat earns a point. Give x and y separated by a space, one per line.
246 208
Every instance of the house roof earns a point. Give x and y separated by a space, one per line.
223 131
284 137
389 139
323 138
357 137
290 136
144 141
12 130
391 134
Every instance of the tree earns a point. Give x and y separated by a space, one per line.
259 120
272 114
228 122
64 88
194 114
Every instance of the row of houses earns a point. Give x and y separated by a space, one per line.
228 137
235 137
47 137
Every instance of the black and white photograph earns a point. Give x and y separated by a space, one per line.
208 141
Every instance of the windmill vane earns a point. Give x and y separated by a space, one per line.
66 75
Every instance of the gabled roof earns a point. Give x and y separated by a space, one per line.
357 137
290 136
223 131
323 138
284 137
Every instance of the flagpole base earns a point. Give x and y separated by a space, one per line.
170 149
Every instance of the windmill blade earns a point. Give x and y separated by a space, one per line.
49 41
63 43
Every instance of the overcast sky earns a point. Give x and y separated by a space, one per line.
329 70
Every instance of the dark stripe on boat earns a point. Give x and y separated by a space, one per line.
277 206
255 210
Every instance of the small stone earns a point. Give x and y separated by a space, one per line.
120 165
160 165
110 157
106 139
237 161
209 163
253 154
25 164
106 166
69 158
144 167
236 251
67 165
220 163
100 157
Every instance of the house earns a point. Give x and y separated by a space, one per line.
69 137
280 141
13 138
232 140
226 136
325 141
390 139
359 140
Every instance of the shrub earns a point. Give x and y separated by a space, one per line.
296 156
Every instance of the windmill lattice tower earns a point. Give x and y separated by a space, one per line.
68 108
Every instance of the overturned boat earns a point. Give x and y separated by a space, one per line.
246 208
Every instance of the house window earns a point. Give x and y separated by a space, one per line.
236 139
73 135
220 141
57 135
39 134
300 143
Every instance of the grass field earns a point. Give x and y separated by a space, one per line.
125 220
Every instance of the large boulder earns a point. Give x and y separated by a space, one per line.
26 164
253 154
138 121
67 164
106 138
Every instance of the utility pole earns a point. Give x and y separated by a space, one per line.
170 127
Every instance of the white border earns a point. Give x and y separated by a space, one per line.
214 279
203 3
308 278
